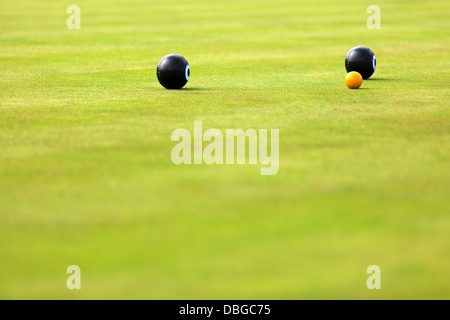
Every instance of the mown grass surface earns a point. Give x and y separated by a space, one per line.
86 176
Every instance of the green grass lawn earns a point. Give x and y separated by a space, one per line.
86 176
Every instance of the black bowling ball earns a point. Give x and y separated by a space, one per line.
173 71
362 60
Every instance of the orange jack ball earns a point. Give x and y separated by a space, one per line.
353 80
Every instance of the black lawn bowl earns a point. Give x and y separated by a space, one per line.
362 60
173 71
